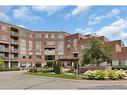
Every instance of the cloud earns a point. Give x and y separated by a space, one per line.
3 13
50 10
97 19
4 17
77 10
21 26
116 30
25 14
85 31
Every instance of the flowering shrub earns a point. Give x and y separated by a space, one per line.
101 74
121 73
89 74
113 74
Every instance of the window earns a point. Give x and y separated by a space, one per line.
50 43
23 64
23 56
37 35
60 56
121 62
30 44
75 48
38 64
60 43
30 56
4 28
52 35
30 35
38 43
75 55
4 37
60 35
38 56
46 35
23 33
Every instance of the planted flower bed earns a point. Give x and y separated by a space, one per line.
103 75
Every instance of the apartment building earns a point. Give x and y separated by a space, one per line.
25 48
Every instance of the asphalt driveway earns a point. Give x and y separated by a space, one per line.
18 80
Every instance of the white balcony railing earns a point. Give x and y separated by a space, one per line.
50 52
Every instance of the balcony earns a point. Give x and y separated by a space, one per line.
6 58
50 52
14 59
14 42
13 33
14 50
4 49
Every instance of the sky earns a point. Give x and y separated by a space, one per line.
109 21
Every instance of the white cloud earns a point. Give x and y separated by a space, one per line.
84 31
50 10
77 10
4 17
97 19
21 26
25 14
116 30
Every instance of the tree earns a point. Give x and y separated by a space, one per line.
1 61
56 67
97 53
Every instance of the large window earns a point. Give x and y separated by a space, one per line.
60 47
52 35
37 35
60 36
4 37
4 28
38 48
30 48
38 56
23 46
30 35
38 51
121 62
50 43
46 35
23 33
38 43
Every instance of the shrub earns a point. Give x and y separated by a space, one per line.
2 69
122 74
56 67
113 74
13 69
101 74
89 74
33 70
119 67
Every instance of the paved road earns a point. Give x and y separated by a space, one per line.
17 80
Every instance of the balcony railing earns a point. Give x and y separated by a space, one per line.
14 50
14 58
50 52
14 33
5 58
14 42
4 49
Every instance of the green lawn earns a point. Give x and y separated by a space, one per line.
63 75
